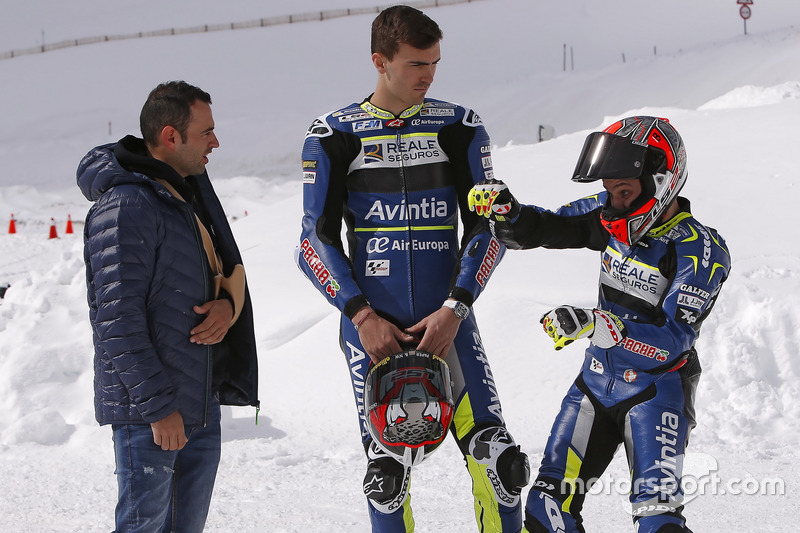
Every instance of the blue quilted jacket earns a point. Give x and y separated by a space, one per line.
145 270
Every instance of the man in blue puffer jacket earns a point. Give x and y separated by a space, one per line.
168 348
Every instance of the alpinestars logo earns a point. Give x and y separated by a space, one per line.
373 486
319 129
486 447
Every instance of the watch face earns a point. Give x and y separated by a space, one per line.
461 310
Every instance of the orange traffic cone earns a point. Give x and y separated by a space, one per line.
12 226
53 234
69 224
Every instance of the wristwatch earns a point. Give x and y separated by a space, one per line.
460 309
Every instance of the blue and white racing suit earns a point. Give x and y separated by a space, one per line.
640 392
400 184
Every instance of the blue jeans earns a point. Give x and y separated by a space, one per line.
165 491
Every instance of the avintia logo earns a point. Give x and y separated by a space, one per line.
427 208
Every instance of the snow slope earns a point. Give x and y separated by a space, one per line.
731 96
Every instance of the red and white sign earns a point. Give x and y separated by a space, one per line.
745 12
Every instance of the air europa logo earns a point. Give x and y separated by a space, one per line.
380 245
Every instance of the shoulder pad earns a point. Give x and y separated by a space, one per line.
319 128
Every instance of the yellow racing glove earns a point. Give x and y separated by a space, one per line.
493 200
566 324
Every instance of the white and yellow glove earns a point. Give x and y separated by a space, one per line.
493 200
567 324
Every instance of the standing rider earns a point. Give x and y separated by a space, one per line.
397 167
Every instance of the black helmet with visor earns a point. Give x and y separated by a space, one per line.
644 148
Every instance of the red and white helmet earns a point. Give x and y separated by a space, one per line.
409 405
644 148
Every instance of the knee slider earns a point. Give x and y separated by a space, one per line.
513 469
386 484
506 465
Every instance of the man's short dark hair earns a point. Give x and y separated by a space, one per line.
169 104
403 24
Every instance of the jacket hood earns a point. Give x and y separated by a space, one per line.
99 170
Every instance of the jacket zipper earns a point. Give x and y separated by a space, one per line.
609 356
198 239
399 139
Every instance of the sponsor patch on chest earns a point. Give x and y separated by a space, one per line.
631 276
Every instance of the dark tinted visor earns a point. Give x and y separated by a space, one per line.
606 155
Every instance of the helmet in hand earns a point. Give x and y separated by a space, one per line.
409 405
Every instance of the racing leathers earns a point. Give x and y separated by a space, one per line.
400 184
640 391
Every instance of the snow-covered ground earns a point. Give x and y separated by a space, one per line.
733 97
